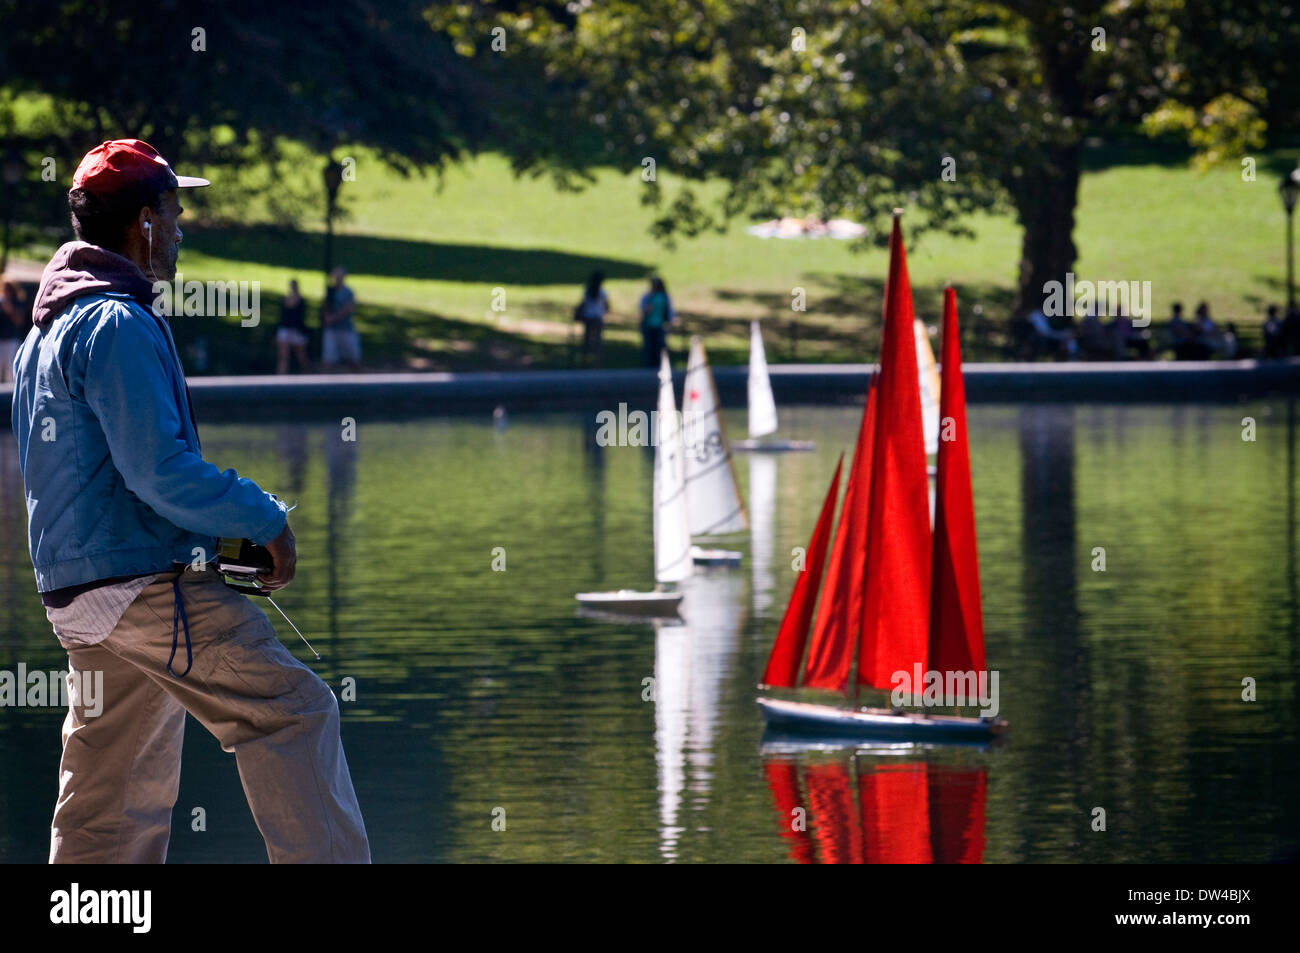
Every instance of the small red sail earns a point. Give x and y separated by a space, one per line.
831 654
787 652
896 607
956 622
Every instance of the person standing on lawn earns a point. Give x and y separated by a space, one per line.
656 315
340 341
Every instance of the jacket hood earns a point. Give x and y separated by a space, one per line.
79 269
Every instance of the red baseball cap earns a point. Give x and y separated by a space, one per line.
115 164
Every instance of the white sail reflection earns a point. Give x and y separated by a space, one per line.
762 518
692 660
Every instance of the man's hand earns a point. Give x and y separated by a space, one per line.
284 553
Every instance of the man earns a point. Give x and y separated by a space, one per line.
123 515
339 338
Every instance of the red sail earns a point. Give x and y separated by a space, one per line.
896 608
838 616
787 651
956 622
783 779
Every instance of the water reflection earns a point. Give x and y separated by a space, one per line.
902 812
692 661
762 519
478 688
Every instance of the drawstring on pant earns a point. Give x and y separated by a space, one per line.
180 619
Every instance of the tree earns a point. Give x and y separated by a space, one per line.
230 84
851 107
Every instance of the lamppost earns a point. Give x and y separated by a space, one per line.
1289 187
333 176
13 174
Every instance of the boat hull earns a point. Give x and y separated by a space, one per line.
773 446
628 602
871 723
715 557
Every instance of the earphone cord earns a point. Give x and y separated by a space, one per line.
148 230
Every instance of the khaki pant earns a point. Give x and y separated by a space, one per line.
120 772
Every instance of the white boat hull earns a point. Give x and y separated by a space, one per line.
715 557
882 723
773 446
628 602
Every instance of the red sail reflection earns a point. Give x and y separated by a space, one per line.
906 813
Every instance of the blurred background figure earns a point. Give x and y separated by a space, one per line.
591 311
1182 337
1047 340
656 315
1208 339
13 326
1095 343
340 341
291 335
1274 340
1128 338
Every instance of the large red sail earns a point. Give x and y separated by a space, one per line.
896 607
787 652
956 622
831 655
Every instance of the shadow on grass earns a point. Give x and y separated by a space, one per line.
400 258
393 339
842 323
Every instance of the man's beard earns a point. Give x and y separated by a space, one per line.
164 263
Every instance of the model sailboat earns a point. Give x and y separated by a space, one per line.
713 503
904 599
762 405
672 538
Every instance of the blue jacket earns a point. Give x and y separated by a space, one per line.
116 484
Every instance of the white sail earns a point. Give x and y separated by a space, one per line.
672 535
713 501
762 406
928 373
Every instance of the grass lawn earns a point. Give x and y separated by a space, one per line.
425 262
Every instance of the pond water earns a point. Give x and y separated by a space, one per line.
482 695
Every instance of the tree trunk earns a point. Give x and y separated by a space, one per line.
1045 200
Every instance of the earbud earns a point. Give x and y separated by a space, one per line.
148 227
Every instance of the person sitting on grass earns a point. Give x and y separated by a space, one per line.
339 338
1046 338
